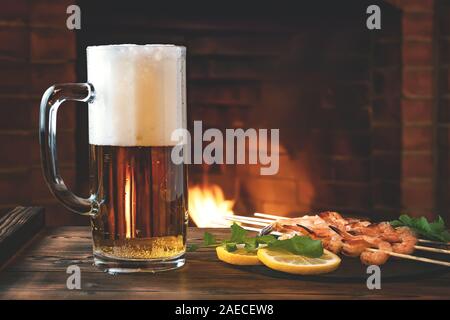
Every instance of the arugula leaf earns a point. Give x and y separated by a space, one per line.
192 247
435 230
250 244
237 233
307 247
209 239
438 225
230 246
300 245
265 239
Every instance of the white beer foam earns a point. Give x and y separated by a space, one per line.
139 94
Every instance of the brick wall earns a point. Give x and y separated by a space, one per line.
322 109
419 173
417 108
386 146
36 50
443 107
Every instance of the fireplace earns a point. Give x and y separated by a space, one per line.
326 87
363 114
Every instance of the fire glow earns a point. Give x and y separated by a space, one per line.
128 206
208 206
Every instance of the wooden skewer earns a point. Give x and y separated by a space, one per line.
410 257
399 255
243 220
437 250
434 242
251 228
270 216
275 233
274 217
249 218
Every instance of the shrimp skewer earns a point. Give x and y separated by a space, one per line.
352 221
358 245
352 245
402 240
336 240
331 240
398 255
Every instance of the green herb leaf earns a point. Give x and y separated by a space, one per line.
209 239
406 219
396 223
237 233
265 239
192 247
435 230
438 225
300 245
250 244
230 246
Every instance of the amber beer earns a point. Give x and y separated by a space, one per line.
138 202
144 209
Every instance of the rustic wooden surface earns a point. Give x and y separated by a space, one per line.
17 227
40 273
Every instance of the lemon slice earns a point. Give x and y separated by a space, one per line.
239 257
288 262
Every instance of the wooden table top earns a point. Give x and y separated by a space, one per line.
39 272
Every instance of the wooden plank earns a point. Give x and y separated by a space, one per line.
40 273
190 282
17 227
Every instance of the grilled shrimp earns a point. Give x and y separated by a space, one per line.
387 232
330 239
357 246
354 247
358 222
383 230
378 257
334 218
334 245
408 241
314 227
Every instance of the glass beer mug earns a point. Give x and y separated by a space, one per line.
138 202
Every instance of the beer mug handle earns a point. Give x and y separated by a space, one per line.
51 100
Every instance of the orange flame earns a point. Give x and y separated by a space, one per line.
208 206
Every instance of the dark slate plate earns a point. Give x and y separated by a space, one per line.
351 269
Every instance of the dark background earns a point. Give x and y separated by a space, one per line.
363 115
